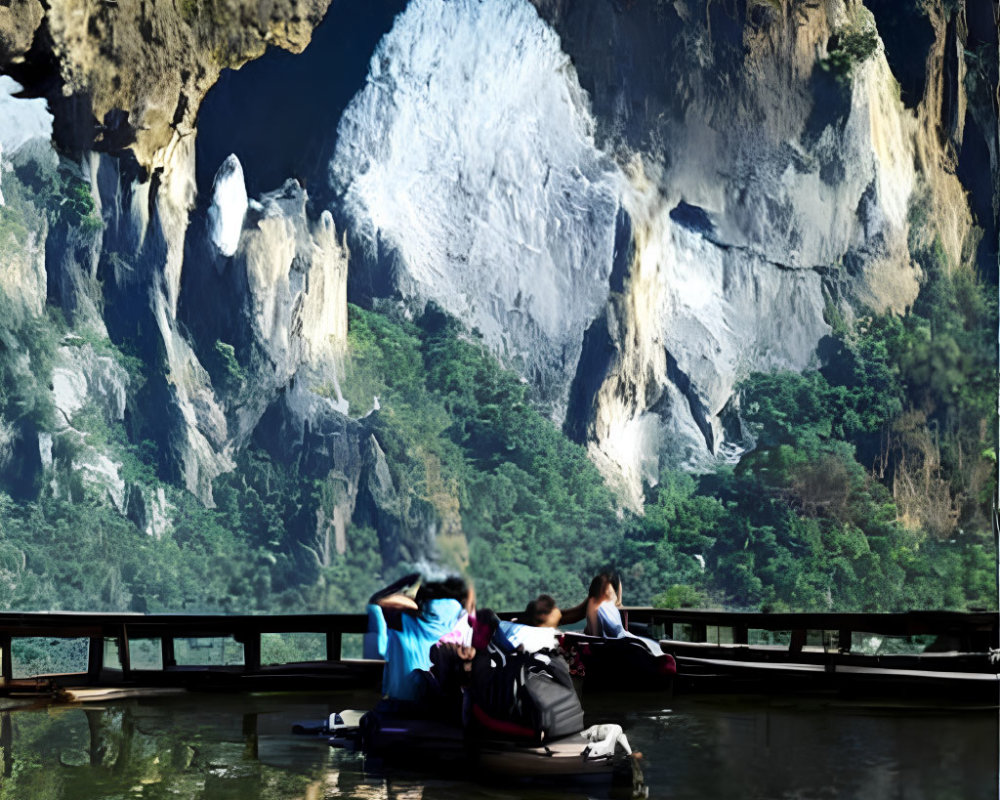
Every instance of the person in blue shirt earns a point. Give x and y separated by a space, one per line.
413 624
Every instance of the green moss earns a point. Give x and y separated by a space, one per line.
233 375
849 47
189 11
19 217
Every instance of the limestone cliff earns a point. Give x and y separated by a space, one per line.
132 75
635 204
721 175
793 173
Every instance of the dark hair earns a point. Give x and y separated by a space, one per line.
538 609
451 588
600 583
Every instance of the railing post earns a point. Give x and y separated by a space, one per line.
798 641
6 660
95 659
333 645
167 652
251 651
844 640
123 653
740 634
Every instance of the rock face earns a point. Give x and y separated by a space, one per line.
89 391
637 204
308 431
274 313
22 269
133 73
294 304
81 375
715 185
794 186
149 509
467 169
25 128
229 207
234 307
18 23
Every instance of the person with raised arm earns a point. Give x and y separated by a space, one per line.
416 614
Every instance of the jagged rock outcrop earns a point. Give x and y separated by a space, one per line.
133 73
308 431
294 304
231 331
296 273
284 318
18 23
229 207
149 509
89 391
81 376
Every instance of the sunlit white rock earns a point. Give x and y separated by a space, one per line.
21 119
229 206
468 162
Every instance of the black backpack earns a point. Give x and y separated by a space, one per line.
525 696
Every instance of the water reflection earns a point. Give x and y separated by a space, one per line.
229 747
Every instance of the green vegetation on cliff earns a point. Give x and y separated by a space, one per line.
868 488
871 483
460 434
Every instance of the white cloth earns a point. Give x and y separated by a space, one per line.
531 638
603 741
609 620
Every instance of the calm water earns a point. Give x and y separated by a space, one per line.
241 748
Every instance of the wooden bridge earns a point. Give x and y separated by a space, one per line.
950 653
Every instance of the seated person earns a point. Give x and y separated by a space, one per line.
542 612
603 612
534 629
413 624
511 635
602 607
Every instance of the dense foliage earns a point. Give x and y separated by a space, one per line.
820 515
871 482
460 432
869 486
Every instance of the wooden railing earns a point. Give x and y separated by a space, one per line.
123 629
968 632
